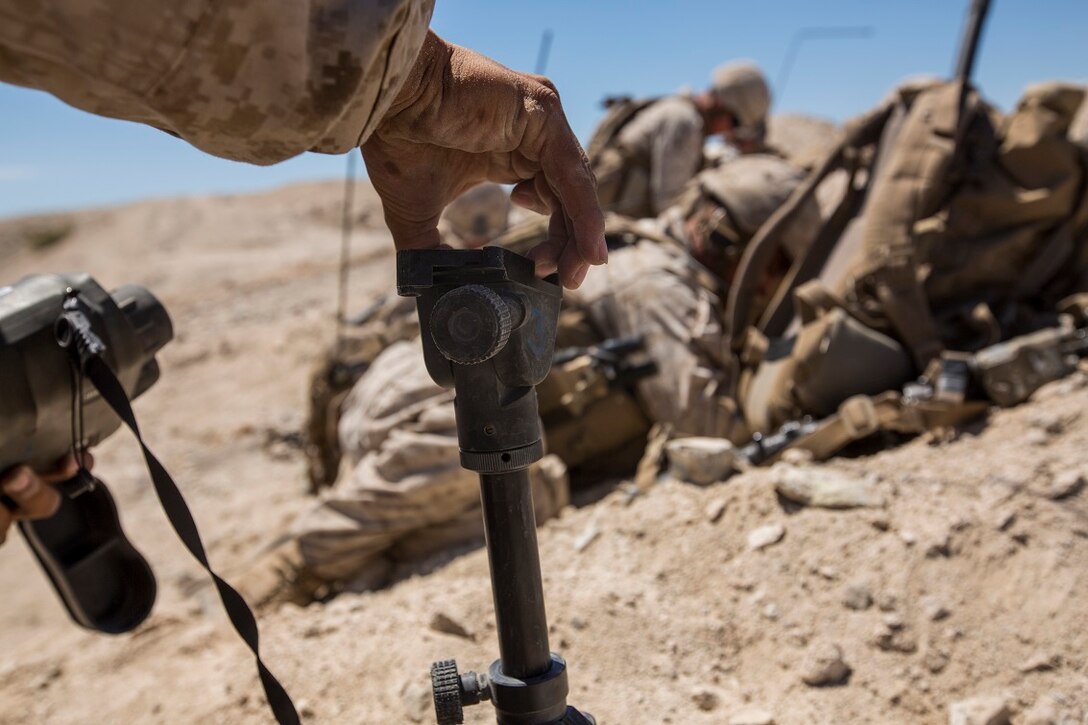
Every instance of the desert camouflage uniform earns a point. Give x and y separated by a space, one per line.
404 494
660 148
669 135
654 290
251 81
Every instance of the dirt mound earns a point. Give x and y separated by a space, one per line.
964 579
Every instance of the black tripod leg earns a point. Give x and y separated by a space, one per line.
510 530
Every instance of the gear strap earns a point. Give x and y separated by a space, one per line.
181 519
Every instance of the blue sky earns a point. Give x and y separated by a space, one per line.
55 157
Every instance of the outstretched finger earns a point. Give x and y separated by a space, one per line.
548 254
546 257
572 266
35 498
568 174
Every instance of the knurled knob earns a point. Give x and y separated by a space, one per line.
446 690
471 324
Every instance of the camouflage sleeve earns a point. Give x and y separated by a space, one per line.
676 154
250 80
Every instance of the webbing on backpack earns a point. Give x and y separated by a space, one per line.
761 249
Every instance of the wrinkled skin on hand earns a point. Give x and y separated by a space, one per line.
461 119
33 493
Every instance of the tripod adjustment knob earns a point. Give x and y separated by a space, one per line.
471 324
446 691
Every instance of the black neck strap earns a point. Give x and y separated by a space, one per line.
181 519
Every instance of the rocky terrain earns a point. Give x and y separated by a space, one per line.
954 588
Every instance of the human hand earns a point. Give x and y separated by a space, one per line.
33 493
460 119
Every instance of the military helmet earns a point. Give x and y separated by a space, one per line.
741 88
478 215
747 190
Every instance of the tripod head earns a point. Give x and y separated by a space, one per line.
489 332
489 329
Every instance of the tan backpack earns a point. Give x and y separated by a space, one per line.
958 229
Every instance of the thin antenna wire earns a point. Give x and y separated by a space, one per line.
345 250
544 52
814 33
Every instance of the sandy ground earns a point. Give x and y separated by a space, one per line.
968 582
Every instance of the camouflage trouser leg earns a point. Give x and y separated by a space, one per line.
406 496
648 289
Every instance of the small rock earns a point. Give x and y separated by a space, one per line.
1041 662
1051 423
764 536
714 511
43 680
935 609
442 622
1036 437
797 456
828 572
770 611
824 665
305 709
960 523
857 597
954 633
938 544
578 624
894 640
705 699
701 461
935 660
908 537
1046 711
825 487
888 602
280 450
416 699
880 522
1063 484
893 621
1004 519
751 716
991 710
797 638
586 538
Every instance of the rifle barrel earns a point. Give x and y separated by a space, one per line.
972 32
